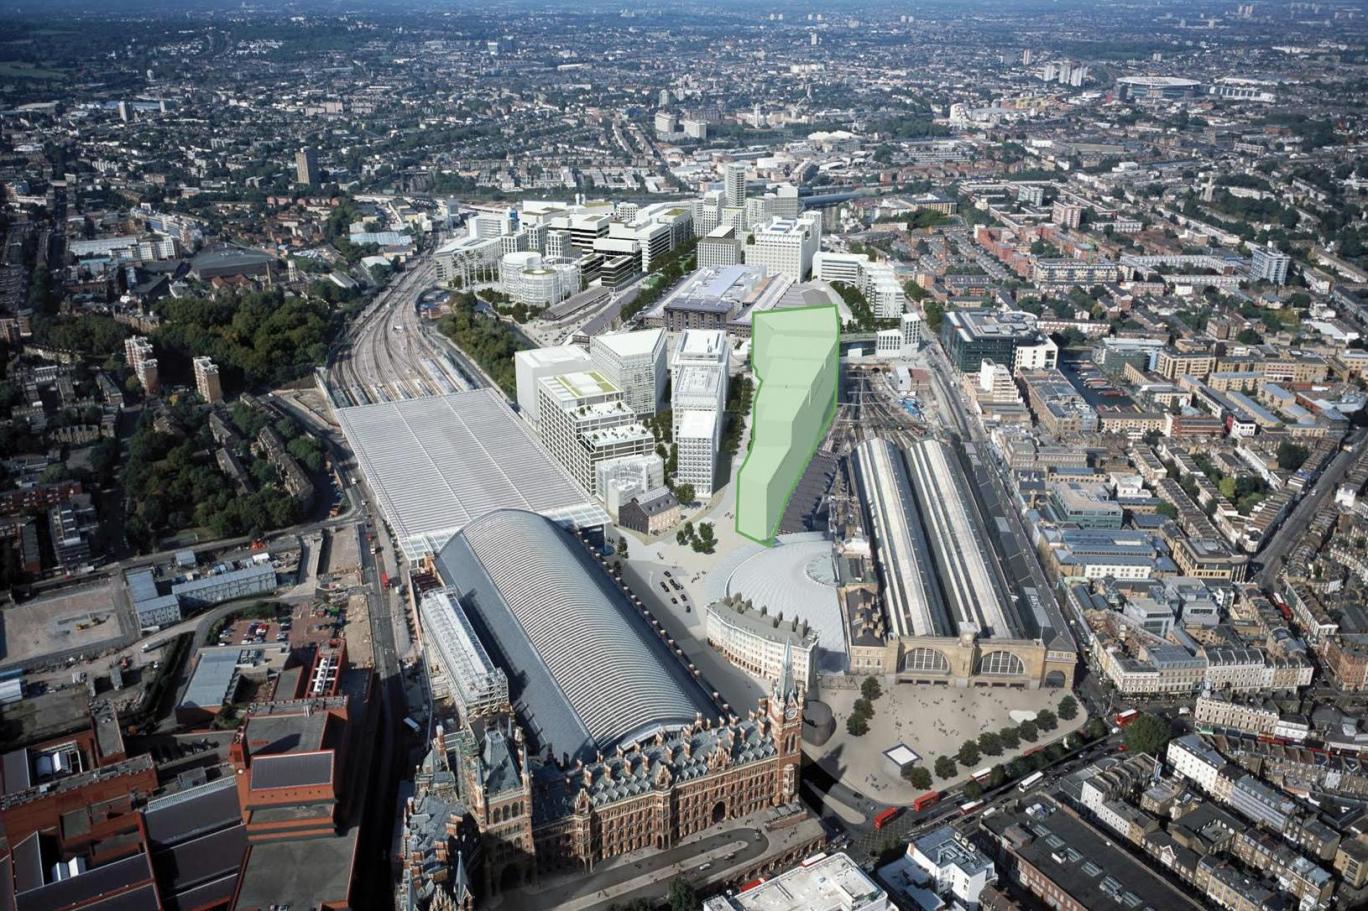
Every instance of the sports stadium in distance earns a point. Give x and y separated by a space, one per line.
796 362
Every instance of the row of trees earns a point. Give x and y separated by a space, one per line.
858 722
864 318
739 396
995 743
666 271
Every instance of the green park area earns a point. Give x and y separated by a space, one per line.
795 358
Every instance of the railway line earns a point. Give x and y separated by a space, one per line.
390 356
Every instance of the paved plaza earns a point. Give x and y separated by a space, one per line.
932 721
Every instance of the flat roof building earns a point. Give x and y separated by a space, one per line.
698 393
1053 854
207 382
972 336
531 365
786 246
473 681
436 463
635 363
584 421
830 883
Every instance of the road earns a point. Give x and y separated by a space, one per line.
623 881
1294 526
390 765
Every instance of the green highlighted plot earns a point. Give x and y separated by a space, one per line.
796 358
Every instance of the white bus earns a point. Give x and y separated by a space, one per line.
1030 781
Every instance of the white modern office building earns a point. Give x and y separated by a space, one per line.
531 365
720 247
786 246
839 267
468 260
699 376
877 281
883 290
913 331
530 280
955 868
635 363
584 421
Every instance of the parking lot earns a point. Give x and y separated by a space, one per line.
295 624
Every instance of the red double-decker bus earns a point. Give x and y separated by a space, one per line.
886 816
930 798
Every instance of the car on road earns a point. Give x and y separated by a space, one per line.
707 866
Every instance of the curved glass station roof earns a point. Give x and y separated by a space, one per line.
585 671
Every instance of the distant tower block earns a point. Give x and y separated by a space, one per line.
207 382
306 166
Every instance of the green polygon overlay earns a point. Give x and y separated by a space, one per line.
795 355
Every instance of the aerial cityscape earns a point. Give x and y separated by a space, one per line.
706 456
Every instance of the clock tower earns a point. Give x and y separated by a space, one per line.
785 713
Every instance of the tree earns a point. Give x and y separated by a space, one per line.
1010 738
1249 337
682 896
857 725
945 767
1291 456
870 689
935 314
968 754
1068 708
684 493
973 790
918 776
1227 487
622 548
1095 729
1028 731
1046 720
1148 734
990 743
